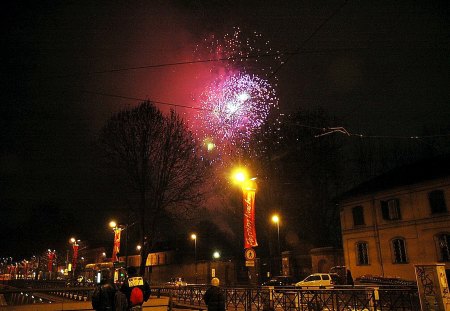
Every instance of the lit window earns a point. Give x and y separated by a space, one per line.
443 246
362 253
437 201
390 209
399 251
358 215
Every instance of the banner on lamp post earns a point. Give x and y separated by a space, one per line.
249 217
75 256
51 257
116 248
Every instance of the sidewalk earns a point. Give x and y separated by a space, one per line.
153 304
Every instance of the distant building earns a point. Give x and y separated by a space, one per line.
397 220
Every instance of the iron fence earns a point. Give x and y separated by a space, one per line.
245 299
292 299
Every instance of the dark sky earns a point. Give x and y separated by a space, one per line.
382 67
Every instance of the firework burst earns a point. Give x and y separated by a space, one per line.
234 108
239 100
241 52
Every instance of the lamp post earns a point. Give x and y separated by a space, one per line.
276 220
116 247
118 228
194 237
248 186
75 246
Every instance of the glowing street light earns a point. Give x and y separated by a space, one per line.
138 247
194 237
117 230
216 255
239 175
248 186
75 246
276 219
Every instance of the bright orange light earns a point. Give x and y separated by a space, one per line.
72 240
112 224
275 219
239 175
138 247
193 236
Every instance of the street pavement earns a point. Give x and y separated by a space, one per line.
153 304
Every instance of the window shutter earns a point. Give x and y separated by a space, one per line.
385 209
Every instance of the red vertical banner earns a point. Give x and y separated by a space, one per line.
75 256
116 248
51 257
249 191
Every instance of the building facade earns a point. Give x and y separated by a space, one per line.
397 220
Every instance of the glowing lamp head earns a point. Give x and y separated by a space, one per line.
193 236
216 255
275 219
138 247
112 224
239 176
72 240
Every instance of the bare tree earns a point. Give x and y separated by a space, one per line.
160 160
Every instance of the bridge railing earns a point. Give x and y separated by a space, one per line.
247 298
15 296
339 299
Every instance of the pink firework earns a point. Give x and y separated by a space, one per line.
239 51
234 108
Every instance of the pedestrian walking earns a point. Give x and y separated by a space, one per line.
350 278
103 296
214 297
136 289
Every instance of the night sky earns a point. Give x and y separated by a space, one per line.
382 67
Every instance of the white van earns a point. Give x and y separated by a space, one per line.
318 280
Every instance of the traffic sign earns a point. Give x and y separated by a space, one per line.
250 254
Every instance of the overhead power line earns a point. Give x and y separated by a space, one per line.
144 99
300 47
342 130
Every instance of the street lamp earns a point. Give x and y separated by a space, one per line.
116 246
248 186
216 255
276 220
118 228
75 246
194 237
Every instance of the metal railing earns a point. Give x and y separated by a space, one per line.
15 297
245 299
342 299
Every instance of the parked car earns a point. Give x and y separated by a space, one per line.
281 280
177 282
319 280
